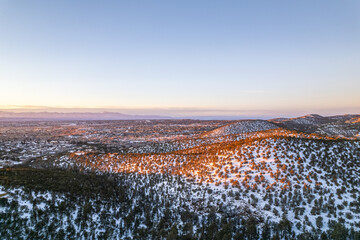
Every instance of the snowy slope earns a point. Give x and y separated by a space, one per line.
244 126
298 177
341 126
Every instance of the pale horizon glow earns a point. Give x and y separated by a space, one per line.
181 58
180 112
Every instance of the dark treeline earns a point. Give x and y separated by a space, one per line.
64 204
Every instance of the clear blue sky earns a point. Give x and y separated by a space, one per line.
240 57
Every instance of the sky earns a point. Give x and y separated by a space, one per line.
181 58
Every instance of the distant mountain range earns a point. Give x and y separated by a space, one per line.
5 115
339 125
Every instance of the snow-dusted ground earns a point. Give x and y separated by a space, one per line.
17 152
244 126
151 200
302 178
247 168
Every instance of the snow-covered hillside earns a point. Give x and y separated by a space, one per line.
121 206
341 126
244 126
312 179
